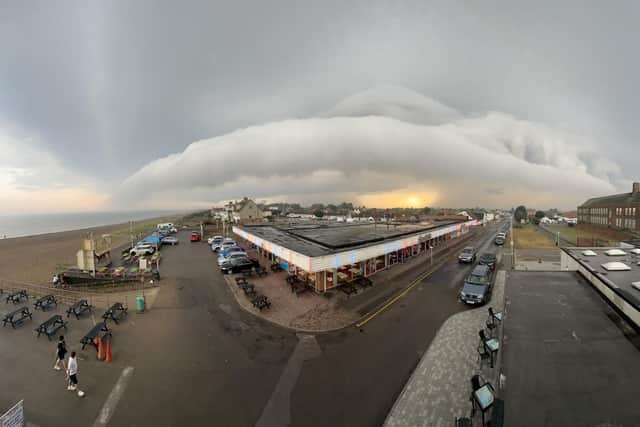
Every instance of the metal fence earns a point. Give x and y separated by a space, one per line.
123 294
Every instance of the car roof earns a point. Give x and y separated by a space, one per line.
468 248
488 254
480 270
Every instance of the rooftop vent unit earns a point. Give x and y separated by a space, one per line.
616 266
635 251
615 252
589 252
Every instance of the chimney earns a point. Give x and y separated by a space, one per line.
636 188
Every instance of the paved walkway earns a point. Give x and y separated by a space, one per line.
440 386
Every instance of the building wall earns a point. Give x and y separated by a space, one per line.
249 212
620 217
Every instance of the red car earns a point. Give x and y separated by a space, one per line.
195 236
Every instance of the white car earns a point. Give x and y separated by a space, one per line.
232 255
226 245
142 249
211 239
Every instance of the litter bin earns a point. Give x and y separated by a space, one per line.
140 303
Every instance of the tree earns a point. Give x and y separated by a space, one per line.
426 210
520 214
540 214
318 213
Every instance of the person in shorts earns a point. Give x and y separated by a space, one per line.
61 351
72 373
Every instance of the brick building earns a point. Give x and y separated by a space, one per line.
619 211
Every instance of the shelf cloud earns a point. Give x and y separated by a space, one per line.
384 140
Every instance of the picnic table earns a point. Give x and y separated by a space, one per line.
363 281
116 312
16 317
261 271
78 308
349 289
16 296
241 281
51 326
248 289
98 331
276 267
260 302
45 302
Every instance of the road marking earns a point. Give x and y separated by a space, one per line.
369 316
277 411
114 397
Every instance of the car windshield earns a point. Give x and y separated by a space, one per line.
467 250
477 279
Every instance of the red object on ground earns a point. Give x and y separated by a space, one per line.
195 237
108 358
100 349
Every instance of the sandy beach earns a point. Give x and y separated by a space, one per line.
34 259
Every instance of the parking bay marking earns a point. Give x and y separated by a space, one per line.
114 397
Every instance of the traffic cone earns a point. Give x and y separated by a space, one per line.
100 349
108 359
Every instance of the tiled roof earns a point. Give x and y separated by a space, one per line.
614 200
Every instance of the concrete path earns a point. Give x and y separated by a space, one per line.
439 388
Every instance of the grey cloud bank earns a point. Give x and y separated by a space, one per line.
374 153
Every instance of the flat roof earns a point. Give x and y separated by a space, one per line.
324 239
569 357
621 279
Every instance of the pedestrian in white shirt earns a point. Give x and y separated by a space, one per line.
72 374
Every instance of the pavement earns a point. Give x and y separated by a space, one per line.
537 259
439 389
569 358
197 358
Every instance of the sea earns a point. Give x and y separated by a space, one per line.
33 224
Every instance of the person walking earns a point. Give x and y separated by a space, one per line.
61 351
72 374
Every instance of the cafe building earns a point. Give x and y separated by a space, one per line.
328 255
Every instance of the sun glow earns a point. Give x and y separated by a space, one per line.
398 199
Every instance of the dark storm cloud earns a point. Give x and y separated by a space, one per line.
106 87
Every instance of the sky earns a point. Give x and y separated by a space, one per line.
170 105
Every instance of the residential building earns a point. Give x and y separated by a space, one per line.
619 211
244 211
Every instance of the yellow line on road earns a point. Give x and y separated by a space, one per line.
367 317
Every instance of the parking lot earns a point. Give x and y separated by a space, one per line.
196 346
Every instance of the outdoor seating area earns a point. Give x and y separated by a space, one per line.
51 326
297 285
483 395
258 301
17 296
116 312
17 317
78 308
46 302
99 331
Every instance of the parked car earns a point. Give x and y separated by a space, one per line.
489 259
227 245
468 255
170 240
477 286
236 265
210 240
232 255
195 236
230 249
216 243
500 239
142 249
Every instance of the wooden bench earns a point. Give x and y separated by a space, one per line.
51 326
276 267
249 290
16 317
45 302
261 271
78 308
349 289
17 296
98 331
260 302
241 281
116 312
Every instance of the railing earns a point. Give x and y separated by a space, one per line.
125 295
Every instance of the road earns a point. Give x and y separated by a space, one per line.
198 359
